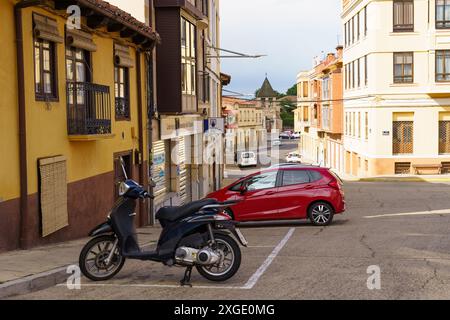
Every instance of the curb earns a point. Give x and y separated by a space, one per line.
33 283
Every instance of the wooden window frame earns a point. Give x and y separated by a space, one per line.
442 24
402 27
402 78
40 95
126 96
445 68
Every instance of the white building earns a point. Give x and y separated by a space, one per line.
396 86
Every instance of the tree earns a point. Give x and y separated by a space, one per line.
292 91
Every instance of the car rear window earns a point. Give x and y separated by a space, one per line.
315 175
293 177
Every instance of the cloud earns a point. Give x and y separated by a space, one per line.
290 32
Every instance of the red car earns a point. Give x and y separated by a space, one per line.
286 193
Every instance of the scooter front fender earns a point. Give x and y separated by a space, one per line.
104 228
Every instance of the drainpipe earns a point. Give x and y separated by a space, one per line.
22 118
142 216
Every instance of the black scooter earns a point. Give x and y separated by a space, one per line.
195 235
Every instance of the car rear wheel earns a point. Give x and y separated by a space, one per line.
321 214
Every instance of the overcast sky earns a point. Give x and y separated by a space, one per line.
290 32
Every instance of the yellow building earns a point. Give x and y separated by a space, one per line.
73 100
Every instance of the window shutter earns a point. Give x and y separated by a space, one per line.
122 57
80 39
46 29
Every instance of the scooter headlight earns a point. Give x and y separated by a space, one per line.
123 189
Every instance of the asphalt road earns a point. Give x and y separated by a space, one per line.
403 229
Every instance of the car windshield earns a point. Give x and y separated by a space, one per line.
248 155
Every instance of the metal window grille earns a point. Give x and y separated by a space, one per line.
444 137
403 140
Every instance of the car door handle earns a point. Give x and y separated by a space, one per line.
270 193
309 187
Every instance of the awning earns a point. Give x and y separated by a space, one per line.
46 28
80 39
122 57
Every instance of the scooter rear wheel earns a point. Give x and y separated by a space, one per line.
232 260
92 259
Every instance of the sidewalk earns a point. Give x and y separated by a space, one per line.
26 271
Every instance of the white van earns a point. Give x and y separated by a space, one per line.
247 159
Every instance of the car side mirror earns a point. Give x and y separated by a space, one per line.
243 189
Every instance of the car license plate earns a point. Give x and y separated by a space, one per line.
241 237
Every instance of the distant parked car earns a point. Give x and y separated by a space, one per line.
285 135
294 157
296 135
286 193
247 159
277 143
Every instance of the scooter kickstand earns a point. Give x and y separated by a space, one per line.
186 281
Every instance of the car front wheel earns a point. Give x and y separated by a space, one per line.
321 214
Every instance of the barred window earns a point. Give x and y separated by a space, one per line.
403 139
444 137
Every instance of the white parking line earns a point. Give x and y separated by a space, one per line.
255 277
422 213
248 286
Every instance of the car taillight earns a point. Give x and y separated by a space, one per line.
335 185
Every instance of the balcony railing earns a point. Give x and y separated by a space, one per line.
88 109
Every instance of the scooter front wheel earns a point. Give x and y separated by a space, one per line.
94 255
230 262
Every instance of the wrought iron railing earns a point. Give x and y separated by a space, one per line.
88 109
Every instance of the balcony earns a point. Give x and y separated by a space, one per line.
88 111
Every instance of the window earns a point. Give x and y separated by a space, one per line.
359 125
442 14
315 176
262 181
77 71
346 123
442 65
358 31
403 67
326 89
345 34
367 126
403 140
353 74
403 15
366 71
444 137
359 73
353 124
45 70
353 29
295 177
122 92
188 58
305 90
365 20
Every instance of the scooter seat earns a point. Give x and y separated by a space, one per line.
172 214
